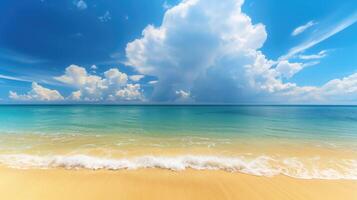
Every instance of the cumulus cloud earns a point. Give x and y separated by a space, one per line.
344 89
113 86
337 91
205 51
130 92
75 96
287 69
198 41
303 28
37 93
113 77
211 48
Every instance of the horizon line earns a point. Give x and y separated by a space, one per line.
167 104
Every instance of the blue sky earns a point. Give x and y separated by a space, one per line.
194 51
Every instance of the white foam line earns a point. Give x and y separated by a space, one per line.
259 166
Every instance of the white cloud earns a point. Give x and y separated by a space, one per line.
91 87
77 76
321 36
303 28
344 88
75 96
136 78
319 55
13 78
211 48
130 92
287 69
37 93
81 4
337 91
115 77
93 67
106 17
183 96
198 42
205 51
30 78
152 82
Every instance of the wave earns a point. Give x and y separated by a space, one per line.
259 166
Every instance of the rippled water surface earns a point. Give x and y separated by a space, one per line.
299 141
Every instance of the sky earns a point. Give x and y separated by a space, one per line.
172 51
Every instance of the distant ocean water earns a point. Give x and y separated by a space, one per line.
298 141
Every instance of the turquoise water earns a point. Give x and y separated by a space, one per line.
309 142
302 122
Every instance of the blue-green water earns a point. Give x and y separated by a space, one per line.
304 122
298 141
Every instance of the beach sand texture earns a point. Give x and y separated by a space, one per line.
40 184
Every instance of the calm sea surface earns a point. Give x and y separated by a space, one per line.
299 141
305 122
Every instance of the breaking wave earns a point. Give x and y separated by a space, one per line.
259 166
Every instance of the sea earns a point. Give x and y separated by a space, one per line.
304 142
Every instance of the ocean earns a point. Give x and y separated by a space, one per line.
307 142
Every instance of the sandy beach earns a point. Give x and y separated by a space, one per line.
55 184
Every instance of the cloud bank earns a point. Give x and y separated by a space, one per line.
114 86
37 93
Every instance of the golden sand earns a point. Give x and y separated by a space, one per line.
53 184
62 184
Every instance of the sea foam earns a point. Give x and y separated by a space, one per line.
259 166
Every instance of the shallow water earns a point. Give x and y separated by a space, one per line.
298 141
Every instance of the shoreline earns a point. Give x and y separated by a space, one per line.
164 184
265 166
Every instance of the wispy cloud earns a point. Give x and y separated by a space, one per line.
321 36
9 55
303 28
319 55
13 78
31 78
